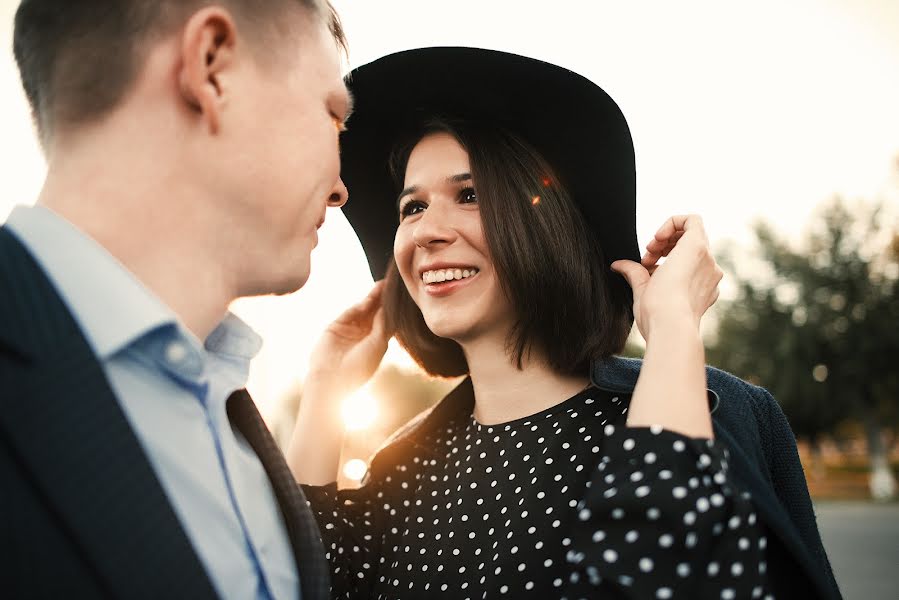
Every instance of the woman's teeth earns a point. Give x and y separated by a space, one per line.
441 275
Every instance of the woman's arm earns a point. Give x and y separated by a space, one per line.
345 357
669 301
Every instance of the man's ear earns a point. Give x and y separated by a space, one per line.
207 52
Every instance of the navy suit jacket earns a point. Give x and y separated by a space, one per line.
82 514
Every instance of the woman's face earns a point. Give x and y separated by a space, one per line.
440 248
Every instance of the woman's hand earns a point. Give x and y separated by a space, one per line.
681 288
351 348
345 357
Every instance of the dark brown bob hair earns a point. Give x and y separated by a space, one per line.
569 306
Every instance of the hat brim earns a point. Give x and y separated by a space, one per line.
575 126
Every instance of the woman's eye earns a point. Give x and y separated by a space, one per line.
468 195
410 208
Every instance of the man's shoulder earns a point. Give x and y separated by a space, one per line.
32 314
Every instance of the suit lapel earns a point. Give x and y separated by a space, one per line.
302 529
62 422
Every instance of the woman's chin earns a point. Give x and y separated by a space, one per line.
449 326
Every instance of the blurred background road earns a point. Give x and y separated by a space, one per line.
862 540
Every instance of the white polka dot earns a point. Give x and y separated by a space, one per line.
663 593
599 535
683 569
728 594
712 569
610 556
646 565
666 540
679 492
736 569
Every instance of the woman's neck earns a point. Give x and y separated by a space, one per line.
503 392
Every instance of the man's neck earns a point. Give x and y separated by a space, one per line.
165 249
503 392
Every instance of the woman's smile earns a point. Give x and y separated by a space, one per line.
443 282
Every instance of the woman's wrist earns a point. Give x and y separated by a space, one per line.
678 323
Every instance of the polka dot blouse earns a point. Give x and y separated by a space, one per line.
567 503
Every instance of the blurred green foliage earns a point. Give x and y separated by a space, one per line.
819 326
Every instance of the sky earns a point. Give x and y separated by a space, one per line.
739 111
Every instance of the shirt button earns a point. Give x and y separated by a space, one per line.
175 352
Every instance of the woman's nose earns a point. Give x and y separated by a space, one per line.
434 227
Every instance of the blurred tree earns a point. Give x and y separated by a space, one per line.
820 327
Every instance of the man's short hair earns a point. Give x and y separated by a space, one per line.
78 58
565 301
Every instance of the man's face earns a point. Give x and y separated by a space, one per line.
283 166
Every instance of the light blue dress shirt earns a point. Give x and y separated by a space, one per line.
173 391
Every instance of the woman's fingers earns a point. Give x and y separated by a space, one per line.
634 273
365 308
670 234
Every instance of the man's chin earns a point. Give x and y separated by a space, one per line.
289 286
278 287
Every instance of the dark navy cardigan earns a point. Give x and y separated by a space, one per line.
763 461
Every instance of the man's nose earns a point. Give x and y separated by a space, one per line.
339 194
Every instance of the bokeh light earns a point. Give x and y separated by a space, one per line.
354 469
360 410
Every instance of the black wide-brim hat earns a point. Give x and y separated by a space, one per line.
574 125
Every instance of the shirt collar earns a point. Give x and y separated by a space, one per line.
110 304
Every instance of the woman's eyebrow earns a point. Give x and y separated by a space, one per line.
460 178
409 190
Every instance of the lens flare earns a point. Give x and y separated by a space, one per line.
354 469
360 410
